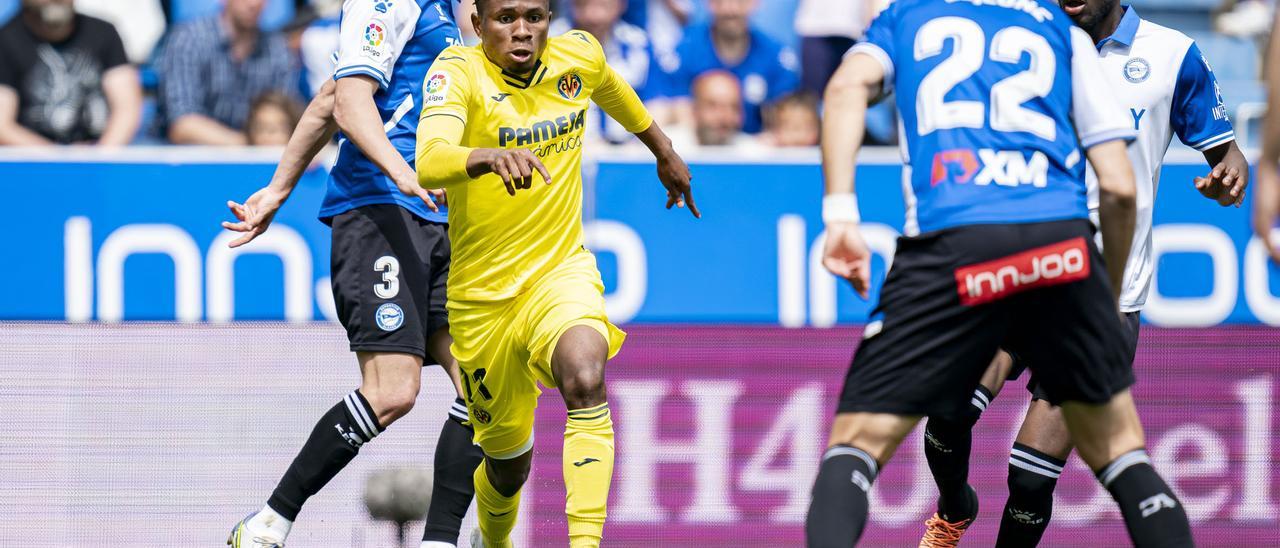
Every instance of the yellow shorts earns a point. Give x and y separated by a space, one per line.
504 349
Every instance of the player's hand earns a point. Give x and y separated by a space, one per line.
408 185
674 174
846 255
1266 208
516 168
1224 185
439 196
255 215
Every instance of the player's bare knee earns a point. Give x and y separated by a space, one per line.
583 386
508 476
877 434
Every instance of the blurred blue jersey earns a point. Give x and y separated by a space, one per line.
394 42
998 101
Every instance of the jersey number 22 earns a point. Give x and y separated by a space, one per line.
934 112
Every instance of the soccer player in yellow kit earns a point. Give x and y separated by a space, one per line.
525 299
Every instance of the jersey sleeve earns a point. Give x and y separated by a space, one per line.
1198 114
371 37
878 43
446 99
1097 115
614 95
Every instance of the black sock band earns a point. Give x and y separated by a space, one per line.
335 440
456 460
1032 477
1152 513
838 511
981 399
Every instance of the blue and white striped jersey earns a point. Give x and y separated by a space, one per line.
1160 77
393 42
998 98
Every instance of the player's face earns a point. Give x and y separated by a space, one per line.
1087 13
513 32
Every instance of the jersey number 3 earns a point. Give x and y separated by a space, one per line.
934 112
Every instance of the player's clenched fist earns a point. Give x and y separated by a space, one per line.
515 166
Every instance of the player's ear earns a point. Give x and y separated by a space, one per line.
475 24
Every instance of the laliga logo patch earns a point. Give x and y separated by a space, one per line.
389 317
570 86
435 88
436 83
375 39
1137 70
374 34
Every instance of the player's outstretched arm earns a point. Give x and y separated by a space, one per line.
315 129
357 115
855 84
1266 192
1228 177
673 172
1117 206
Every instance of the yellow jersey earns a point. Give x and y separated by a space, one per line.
503 244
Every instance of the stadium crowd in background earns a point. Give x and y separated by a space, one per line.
212 69
65 79
204 63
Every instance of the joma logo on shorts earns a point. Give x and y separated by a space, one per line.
1059 263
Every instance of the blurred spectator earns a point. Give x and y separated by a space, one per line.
141 23
313 37
272 118
792 121
626 47
665 20
765 69
1244 18
64 78
827 29
211 69
717 114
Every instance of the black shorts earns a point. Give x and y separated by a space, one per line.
954 296
389 269
1132 325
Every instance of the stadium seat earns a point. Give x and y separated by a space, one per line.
276 14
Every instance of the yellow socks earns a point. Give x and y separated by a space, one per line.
496 513
588 469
